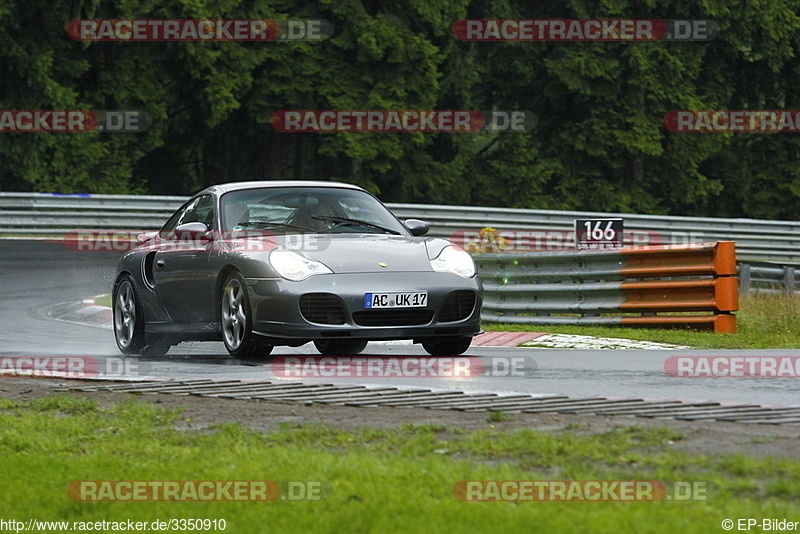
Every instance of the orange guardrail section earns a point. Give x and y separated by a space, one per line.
715 292
692 286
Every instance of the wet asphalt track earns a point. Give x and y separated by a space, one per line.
35 275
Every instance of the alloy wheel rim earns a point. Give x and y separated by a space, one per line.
234 316
125 315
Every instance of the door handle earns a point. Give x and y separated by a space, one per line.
160 264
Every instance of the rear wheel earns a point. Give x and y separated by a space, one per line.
129 323
447 346
236 321
340 347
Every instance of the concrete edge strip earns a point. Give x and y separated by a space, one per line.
473 401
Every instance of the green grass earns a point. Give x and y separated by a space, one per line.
763 322
104 300
498 416
383 480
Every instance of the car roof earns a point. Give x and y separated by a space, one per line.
238 186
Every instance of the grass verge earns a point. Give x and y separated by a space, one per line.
763 321
383 480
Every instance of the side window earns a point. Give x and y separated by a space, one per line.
200 209
176 219
204 211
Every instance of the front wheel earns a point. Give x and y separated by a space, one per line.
236 321
340 347
129 323
447 346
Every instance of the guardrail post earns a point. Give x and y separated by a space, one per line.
788 280
744 279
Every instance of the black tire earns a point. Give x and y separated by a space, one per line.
340 347
236 321
157 347
447 346
129 322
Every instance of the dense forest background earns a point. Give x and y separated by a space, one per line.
600 142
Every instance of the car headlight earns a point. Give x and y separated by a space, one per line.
295 267
454 260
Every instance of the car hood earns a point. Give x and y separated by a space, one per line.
367 253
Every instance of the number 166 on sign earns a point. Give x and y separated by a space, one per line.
598 234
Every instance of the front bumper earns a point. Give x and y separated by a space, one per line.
277 313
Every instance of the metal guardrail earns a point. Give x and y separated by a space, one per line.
756 240
630 286
766 278
48 214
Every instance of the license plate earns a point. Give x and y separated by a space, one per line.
396 300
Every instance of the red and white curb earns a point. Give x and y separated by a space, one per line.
505 339
86 313
95 313
570 341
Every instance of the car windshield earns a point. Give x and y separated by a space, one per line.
307 209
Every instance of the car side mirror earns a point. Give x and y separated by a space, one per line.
145 237
194 230
416 227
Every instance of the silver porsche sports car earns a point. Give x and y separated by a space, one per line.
260 264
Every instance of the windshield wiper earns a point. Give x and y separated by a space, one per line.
345 220
273 225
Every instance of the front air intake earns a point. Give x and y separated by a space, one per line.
458 306
322 308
